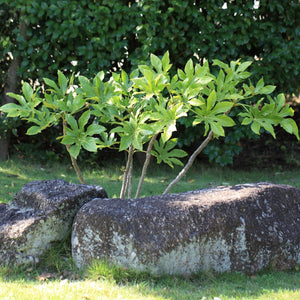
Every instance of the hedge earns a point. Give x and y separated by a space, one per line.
87 36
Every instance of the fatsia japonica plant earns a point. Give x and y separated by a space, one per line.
138 112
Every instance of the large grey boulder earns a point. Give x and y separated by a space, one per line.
238 228
41 213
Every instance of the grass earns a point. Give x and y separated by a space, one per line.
56 277
16 172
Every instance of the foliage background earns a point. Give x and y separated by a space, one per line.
88 36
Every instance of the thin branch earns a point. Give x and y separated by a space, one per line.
190 162
126 172
146 164
129 178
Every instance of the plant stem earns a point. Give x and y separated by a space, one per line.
145 166
129 178
190 162
126 173
75 166
73 159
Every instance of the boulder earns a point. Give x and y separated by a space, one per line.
41 213
242 228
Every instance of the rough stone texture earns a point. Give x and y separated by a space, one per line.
239 228
41 213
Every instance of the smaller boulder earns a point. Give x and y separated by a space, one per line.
41 213
241 228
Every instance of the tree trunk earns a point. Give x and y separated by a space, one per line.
4 143
10 85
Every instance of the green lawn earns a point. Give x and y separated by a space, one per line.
16 172
57 278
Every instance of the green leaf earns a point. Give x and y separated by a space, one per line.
100 75
290 126
163 152
242 67
78 103
89 144
219 63
34 130
268 89
87 86
211 100
149 74
189 68
19 98
83 120
268 127
156 63
222 107
68 140
196 102
95 129
52 84
197 121
125 142
217 129
225 121
246 121
259 85
166 62
72 122
27 91
75 150
204 80
255 127
220 80
181 74
280 100
12 110
178 153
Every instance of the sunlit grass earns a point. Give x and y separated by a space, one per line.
100 281
271 285
16 172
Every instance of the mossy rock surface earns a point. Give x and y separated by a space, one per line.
241 228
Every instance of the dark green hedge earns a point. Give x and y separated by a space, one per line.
99 34
108 34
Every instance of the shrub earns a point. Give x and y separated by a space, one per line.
144 107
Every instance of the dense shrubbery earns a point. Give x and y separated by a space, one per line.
87 36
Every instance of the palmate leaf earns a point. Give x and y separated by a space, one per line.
213 114
269 115
165 152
